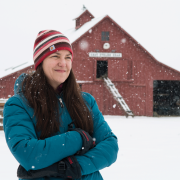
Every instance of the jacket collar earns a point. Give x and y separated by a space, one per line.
18 85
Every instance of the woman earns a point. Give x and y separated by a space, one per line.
50 125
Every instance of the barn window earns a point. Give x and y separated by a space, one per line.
105 36
102 69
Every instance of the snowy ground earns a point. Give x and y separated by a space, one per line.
149 149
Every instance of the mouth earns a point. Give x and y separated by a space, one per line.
61 71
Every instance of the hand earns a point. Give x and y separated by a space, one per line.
66 168
88 142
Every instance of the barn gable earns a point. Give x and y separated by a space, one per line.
84 32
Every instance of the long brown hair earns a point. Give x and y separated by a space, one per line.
43 99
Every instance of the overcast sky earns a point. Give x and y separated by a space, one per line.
155 24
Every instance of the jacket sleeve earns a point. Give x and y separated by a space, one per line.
106 149
23 143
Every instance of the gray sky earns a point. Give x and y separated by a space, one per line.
155 24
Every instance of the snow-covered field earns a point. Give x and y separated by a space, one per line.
149 149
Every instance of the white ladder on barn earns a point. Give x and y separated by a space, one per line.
111 87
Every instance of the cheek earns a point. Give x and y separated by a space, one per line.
47 68
70 66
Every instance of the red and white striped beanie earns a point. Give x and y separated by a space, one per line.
48 42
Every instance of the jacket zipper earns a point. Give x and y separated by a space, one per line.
62 105
60 100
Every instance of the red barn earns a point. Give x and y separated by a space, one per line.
103 49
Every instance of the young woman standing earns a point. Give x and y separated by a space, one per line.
54 130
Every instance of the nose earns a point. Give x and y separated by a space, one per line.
62 61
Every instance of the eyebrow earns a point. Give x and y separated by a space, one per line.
60 54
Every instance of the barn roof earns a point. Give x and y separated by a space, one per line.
74 34
15 68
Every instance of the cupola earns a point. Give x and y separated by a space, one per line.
83 17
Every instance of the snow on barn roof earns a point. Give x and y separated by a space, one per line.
82 11
15 68
73 34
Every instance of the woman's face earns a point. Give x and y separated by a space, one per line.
57 67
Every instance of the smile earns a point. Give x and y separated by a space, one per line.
61 71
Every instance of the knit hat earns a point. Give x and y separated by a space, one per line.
48 42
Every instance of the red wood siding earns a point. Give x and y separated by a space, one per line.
118 70
8 81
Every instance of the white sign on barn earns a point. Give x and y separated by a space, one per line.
100 54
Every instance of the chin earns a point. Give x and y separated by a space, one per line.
60 82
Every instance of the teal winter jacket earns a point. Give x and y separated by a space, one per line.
33 154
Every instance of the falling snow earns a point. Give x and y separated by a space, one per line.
114 105
84 45
123 40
